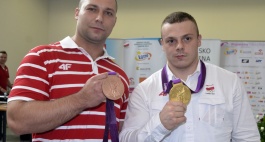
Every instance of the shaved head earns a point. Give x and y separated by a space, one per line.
81 2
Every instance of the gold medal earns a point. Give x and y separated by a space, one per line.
180 92
113 87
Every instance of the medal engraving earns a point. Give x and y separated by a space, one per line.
180 92
113 87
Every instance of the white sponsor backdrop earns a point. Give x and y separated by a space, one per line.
246 59
138 57
210 51
143 56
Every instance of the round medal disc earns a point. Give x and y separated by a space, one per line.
180 92
113 87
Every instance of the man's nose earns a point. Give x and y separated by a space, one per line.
179 45
99 17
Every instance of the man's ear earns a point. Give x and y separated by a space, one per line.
76 13
199 40
161 43
115 20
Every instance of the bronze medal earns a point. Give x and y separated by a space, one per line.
180 92
113 87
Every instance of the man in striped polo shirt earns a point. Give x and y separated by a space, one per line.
57 93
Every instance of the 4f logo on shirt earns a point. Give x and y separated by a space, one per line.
65 66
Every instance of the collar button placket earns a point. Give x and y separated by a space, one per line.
95 67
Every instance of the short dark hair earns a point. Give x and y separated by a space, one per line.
81 1
178 17
3 52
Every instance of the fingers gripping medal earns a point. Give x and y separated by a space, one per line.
113 87
180 92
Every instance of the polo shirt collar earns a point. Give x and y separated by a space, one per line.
68 42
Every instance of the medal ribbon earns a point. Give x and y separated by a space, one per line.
111 123
168 85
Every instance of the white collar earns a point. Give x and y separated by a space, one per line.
68 42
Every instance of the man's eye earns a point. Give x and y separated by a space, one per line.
170 41
109 13
187 38
91 9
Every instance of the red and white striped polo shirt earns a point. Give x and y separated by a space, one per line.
53 71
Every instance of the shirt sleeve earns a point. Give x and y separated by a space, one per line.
140 125
245 127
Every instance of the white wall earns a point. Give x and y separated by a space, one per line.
61 19
25 24
221 19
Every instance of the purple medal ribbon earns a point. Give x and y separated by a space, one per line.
168 85
111 123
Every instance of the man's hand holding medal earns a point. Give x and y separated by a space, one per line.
100 87
173 113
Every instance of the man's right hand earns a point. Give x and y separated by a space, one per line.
172 115
92 92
